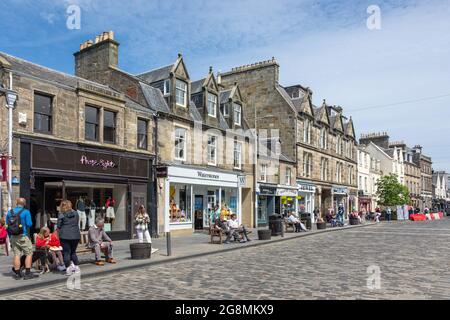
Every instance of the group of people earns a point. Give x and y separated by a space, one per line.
232 228
55 250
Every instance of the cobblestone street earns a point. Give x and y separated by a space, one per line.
413 259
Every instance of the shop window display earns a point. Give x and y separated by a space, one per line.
180 203
90 200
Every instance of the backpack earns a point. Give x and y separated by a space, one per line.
15 227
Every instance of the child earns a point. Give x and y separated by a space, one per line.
3 233
50 241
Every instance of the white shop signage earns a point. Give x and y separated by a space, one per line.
286 192
306 187
203 177
340 190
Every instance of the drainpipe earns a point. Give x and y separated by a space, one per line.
10 148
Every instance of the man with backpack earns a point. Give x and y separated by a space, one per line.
18 221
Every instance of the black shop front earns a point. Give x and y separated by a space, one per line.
99 183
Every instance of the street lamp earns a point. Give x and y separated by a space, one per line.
11 98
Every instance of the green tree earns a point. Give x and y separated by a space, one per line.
392 193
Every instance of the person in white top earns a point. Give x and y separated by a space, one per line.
235 229
299 226
142 220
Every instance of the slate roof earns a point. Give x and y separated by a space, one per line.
224 96
156 75
46 74
155 98
197 86
136 106
194 113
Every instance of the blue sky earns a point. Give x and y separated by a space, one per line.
325 45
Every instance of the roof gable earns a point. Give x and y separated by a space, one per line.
350 129
338 123
179 68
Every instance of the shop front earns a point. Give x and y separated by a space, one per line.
340 197
364 202
99 183
286 200
194 197
305 198
266 194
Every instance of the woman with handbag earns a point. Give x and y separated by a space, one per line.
142 220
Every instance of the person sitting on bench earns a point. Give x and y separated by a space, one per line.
299 226
235 229
100 241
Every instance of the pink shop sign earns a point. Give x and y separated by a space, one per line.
104 164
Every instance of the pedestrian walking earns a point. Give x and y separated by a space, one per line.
69 236
18 222
142 221
388 214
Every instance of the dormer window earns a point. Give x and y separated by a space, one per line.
212 105
166 90
224 108
181 93
237 114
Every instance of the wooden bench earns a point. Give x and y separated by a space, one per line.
221 234
289 225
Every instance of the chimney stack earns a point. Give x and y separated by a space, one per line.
96 57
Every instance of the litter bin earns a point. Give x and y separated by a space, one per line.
276 225
140 251
264 234
306 219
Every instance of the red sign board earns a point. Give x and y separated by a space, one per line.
3 169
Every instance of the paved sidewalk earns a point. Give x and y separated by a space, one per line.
195 245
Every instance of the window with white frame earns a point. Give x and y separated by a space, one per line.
365 185
212 105
180 144
288 176
360 185
237 113
307 131
166 87
350 175
323 138
224 108
339 172
324 169
212 150
181 93
307 164
237 155
263 174
338 145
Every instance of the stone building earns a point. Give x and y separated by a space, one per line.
367 180
440 187
204 153
276 183
390 156
426 177
412 173
320 139
79 140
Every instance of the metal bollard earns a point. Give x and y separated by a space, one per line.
169 244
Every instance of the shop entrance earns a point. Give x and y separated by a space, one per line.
91 200
198 207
